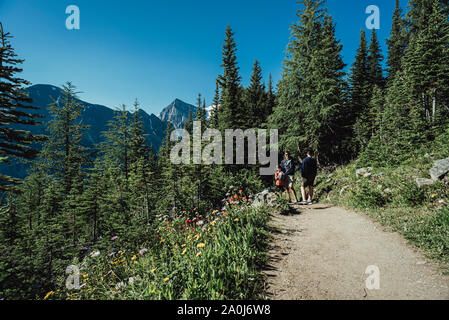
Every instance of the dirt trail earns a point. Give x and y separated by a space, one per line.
322 252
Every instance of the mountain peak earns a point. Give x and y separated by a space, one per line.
177 113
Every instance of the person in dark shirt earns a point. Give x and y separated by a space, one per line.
290 166
309 171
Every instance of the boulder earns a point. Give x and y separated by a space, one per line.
440 169
363 171
421 182
265 197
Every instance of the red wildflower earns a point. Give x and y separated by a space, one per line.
240 191
236 197
244 198
168 228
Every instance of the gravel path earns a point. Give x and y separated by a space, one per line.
322 252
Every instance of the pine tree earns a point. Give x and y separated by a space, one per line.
254 99
374 62
396 43
231 114
64 154
15 112
360 92
118 141
428 79
216 104
311 91
270 99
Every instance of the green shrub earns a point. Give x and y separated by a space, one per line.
365 195
407 193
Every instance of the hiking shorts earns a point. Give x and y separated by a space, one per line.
308 181
289 181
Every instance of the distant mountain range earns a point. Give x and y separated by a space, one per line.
97 117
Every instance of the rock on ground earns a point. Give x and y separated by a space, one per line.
440 169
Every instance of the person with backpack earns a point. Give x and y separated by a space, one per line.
280 178
289 167
309 169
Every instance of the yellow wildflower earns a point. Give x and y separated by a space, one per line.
85 275
152 270
198 253
184 251
134 257
166 279
213 223
183 245
48 294
236 220
200 245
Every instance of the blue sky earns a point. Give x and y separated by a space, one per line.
157 51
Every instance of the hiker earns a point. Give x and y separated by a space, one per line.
289 167
309 170
280 178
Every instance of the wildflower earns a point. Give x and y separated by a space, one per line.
184 251
231 187
162 241
85 276
168 228
114 238
152 270
143 250
200 245
200 223
203 229
442 201
236 196
244 199
236 220
198 253
166 279
95 254
48 294
188 221
134 257
433 196
240 191
183 245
